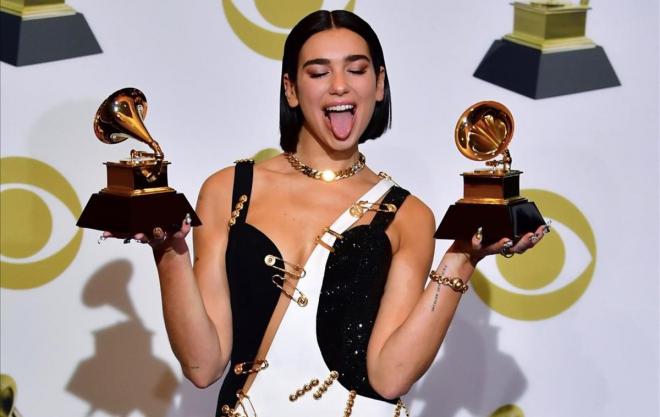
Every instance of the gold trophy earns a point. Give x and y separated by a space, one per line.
491 195
36 31
137 198
548 53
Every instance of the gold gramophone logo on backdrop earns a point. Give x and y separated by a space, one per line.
35 202
8 390
283 14
551 278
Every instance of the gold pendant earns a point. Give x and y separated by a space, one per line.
328 175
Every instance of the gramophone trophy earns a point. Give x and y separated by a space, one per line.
548 53
491 195
137 198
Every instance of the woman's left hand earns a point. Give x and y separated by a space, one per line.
506 247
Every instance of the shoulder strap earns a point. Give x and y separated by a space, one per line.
396 196
346 219
243 172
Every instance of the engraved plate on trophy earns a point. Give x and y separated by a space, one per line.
137 197
491 195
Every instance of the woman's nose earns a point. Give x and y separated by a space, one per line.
339 85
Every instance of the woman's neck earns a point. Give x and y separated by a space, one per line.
313 154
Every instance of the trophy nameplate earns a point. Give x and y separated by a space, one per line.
491 195
548 53
137 197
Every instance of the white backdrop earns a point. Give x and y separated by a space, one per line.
91 342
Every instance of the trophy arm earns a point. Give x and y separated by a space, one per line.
505 161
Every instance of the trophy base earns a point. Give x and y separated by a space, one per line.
138 214
532 73
33 41
507 220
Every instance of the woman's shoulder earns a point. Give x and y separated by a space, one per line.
223 179
414 210
219 181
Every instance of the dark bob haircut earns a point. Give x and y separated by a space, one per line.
291 119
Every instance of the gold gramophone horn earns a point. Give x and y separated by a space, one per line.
8 397
484 131
121 116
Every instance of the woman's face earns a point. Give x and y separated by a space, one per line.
336 88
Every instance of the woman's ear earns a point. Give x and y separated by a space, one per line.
290 91
380 84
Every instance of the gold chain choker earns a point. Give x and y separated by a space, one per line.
327 175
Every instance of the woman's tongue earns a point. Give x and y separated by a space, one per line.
341 123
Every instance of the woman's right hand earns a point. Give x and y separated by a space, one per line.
161 242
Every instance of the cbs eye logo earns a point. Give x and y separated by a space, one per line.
38 209
282 14
550 278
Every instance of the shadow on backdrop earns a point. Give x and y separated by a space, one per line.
123 376
473 374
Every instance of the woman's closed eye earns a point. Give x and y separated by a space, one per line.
357 71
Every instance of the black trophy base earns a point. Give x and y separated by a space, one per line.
498 221
534 74
34 41
139 214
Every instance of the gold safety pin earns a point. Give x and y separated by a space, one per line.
243 396
300 299
358 209
299 271
250 367
387 176
235 412
323 243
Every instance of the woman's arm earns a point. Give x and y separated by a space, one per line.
414 316
195 299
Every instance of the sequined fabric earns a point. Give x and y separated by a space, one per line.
350 297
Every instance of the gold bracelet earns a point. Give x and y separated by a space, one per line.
455 283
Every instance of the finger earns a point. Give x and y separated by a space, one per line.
186 225
527 241
141 237
546 227
159 234
180 234
499 246
538 235
477 238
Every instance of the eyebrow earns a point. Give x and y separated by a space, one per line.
325 61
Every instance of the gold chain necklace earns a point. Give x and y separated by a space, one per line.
327 175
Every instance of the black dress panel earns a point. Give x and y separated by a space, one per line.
353 285
253 296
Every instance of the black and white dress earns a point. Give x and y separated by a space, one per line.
317 360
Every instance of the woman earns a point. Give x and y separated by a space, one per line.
310 270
